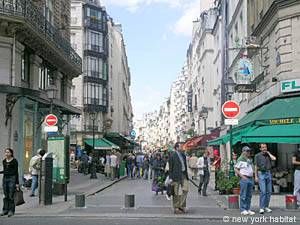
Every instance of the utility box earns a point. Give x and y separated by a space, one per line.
46 180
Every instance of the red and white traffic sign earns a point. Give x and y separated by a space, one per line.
231 109
50 120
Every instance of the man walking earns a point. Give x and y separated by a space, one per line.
113 165
244 169
263 166
179 177
34 170
203 165
296 163
193 166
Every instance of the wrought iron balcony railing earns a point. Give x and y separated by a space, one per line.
27 11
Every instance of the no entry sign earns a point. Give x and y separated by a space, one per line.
231 109
50 120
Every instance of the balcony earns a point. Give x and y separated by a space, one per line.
24 19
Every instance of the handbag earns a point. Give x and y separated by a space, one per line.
19 198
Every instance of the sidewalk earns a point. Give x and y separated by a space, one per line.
79 183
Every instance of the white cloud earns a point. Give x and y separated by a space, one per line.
150 101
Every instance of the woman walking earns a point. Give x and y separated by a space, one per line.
10 182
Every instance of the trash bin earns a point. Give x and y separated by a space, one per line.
122 168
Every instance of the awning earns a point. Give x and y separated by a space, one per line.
276 122
289 134
202 140
120 140
101 144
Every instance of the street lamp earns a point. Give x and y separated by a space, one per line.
230 90
51 93
204 114
93 117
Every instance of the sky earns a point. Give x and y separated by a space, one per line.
157 34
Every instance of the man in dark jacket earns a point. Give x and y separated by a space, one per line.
179 177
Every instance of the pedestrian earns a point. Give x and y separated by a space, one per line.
139 165
179 178
263 175
146 167
159 173
119 161
113 164
203 165
85 163
217 165
34 169
193 166
296 163
244 169
151 171
10 182
107 165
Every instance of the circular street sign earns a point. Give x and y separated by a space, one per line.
51 120
230 109
132 133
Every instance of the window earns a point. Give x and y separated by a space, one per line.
25 66
94 41
95 67
95 14
46 77
49 11
95 94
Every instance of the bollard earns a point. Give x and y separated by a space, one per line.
233 202
291 202
129 201
79 200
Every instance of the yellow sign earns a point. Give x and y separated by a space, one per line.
284 121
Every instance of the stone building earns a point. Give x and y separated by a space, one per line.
37 65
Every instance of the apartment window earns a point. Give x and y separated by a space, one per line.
95 94
94 41
25 66
49 11
95 67
46 77
95 14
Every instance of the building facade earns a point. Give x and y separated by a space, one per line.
37 65
102 91
89 35
120 113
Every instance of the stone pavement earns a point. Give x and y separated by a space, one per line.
79 183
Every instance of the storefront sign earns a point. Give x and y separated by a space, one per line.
245 67
290 85
245 88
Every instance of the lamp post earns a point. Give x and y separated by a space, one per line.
204 114
230 90
93 117
51 93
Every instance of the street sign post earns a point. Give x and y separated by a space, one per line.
132 134
231 109
50 120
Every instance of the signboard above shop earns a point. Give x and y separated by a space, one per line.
245 88
290 86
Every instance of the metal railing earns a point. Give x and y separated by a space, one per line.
26 10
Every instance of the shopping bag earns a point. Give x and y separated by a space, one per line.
170 190
155 186
19 198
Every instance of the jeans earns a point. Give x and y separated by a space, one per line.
297 185
265 186
204 180
246 189
34 184
9 189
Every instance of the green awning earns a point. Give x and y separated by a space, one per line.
289 134
120 140
280 108
101 144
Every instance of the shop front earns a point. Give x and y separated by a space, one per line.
276 123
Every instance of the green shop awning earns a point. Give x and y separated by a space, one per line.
101 144
120 140
276 112
289 134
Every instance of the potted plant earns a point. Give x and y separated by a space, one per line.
235 183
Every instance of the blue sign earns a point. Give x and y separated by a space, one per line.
132 133
245 67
